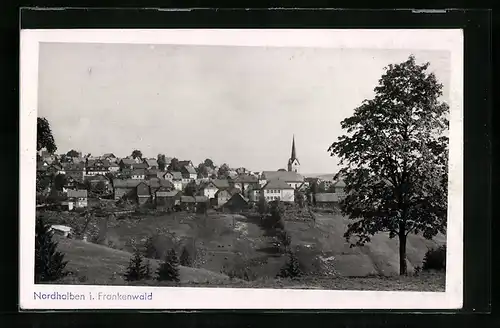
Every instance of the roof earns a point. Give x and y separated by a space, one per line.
114 164
221 183
283 175
158 182
128 161
240 196
176 175
152 172
189 169
138 172
277 184
77 193
222 191
172 193
151 162
340 184
140 166
61 227
185 163
98 162
74 166
99 177
246 178
126 183
194 199
109 155
326 197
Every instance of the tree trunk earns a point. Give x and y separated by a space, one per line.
402 253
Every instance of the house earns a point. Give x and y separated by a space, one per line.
71 184
96 179
176 178
125 188
54 169
188 174
138 174
113 167
293 179
152 173
254 194
244 181
278 189
221 183
151 163
75 171
326 199
339 189
139 165
79 197
110 157
126 163
192 203
222 196
143 193
156 183
168 199
97 166
236 203
209 189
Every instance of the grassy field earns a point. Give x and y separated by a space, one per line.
100 265
222 243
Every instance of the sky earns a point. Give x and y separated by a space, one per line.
232 104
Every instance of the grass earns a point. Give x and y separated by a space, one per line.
226 241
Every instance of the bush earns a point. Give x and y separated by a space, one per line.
169 270
185 258
292 267
435 259
49 263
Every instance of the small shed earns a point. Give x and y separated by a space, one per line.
237 203
61 230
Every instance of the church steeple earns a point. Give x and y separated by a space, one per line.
293 149
293 162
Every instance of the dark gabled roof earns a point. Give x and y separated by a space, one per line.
176 175
185 163
77 193
151 162
97 177
98 162
158 182
283 175
277 184
127 161
138 172
339 184
326 197
239 195
126 183
194 199
152 172
140 166
221 183
163 193
189 169
246 178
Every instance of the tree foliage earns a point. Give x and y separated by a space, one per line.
190 189
60 181
223 172
162 162
292 267
395 158
262 205
72 153
44 137
174 165
136 154
49 263
209 163
169 269
185 258
136 269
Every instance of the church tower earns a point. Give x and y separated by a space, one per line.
293 162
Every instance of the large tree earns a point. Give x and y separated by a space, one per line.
209 163
174 165
72 153
223 172
395 159
44 137
161 162
136 154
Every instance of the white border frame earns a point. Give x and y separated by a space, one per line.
233 298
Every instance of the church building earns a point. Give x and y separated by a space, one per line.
293 162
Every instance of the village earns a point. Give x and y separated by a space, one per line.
169 184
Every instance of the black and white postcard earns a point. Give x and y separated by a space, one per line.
241 169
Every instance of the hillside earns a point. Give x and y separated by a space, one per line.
96 264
